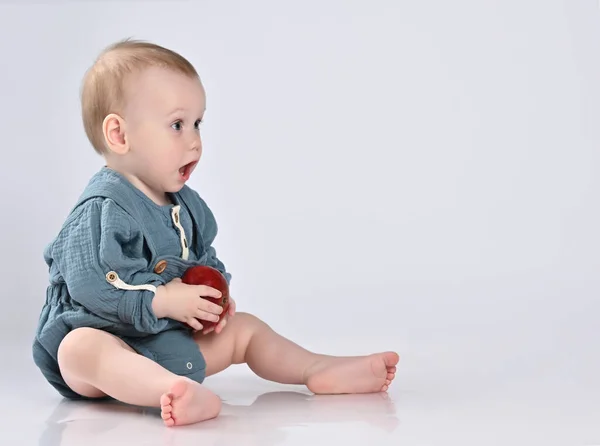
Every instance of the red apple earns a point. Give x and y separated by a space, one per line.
205 275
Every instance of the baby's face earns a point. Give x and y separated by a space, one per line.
163 113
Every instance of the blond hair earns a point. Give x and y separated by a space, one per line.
103 87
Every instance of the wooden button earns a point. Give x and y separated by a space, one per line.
160 267
111 276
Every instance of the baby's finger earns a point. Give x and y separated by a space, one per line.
209 307
195 324
207 291
204 315
221 325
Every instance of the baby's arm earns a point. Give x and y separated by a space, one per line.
100 256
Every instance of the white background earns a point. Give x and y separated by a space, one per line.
418 176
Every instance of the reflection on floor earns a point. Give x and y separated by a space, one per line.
266 421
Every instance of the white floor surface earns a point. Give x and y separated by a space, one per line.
440 397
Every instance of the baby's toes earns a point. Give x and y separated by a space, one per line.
166 408
166 415
391 376
165 400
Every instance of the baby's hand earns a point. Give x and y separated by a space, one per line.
184 303
230 313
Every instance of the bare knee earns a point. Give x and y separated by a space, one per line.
81 348
77 357
247 317
245 325
77 347
246 322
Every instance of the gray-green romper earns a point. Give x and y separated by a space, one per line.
115 247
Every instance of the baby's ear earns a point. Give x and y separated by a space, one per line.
113 128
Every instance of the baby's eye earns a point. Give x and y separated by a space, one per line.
176 125
198 123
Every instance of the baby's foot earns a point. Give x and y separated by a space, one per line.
363 374
188 402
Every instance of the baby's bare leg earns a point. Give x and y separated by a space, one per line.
246 339
95 363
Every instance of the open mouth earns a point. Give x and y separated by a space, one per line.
186 170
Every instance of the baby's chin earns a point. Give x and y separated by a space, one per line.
174 188
176 185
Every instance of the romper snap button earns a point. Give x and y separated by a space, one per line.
160 267
189 365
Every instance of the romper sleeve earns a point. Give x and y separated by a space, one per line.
100 254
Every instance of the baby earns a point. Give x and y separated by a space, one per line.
117 321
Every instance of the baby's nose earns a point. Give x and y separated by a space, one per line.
196 144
